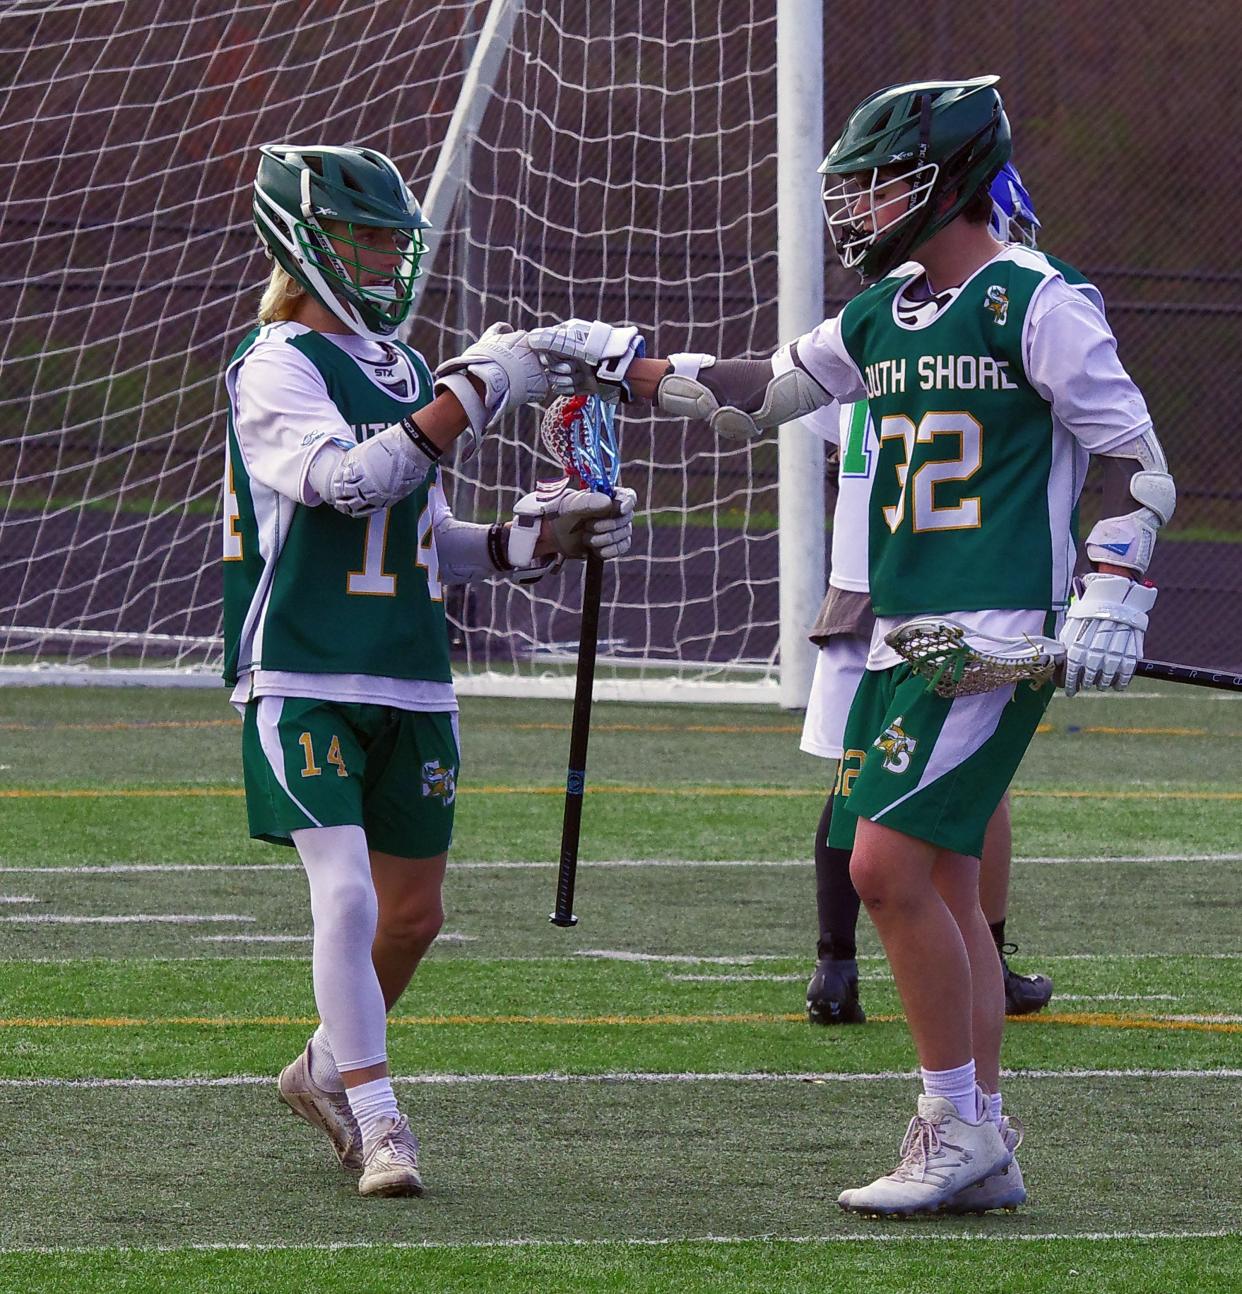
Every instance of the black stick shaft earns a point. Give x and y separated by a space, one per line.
580 733
1190 674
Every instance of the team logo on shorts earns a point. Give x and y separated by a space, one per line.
996 299
439 781
897 746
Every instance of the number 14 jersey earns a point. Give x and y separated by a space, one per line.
332 606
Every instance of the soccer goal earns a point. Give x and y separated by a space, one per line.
614 159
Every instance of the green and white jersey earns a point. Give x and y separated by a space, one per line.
317 603
987 401
851 429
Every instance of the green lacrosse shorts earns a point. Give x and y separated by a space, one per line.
932 767
310 763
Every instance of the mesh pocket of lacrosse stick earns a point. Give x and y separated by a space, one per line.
956 661
579 431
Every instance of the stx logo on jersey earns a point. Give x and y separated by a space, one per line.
996 299
897 746
439 781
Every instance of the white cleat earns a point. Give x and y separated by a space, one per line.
391 1162
327 1111
1003 1190
941 1155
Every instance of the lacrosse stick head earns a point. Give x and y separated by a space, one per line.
579 431
957 661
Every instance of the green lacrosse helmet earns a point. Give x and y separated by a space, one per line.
298 189
945 139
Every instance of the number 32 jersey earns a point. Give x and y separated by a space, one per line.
317 603
986 403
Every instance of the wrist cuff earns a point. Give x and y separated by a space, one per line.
497 546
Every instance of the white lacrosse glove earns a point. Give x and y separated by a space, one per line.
579 521
1103 632
511 374
587 357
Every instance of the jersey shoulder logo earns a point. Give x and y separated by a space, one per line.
897 745
996 299
439 782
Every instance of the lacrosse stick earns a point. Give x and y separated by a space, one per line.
579 433
957 661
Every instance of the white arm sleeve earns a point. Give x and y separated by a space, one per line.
465 549
1071 360
284 418
821 352
462 549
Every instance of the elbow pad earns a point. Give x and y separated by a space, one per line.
1129 540
375 474
786 396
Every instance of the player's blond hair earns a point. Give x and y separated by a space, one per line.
280 297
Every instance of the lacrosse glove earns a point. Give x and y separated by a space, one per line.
1103 632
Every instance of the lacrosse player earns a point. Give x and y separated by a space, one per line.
842 633
990 381
337 543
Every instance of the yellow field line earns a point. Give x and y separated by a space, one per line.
698 792
136 725
726 729
730 729
1092 1019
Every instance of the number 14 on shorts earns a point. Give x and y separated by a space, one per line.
333 756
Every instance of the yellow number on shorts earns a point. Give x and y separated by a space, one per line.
312 769
334 757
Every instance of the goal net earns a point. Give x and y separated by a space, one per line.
623 165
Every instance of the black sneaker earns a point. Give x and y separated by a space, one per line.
832 994
1024 994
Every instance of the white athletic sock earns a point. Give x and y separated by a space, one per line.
323 1070
374 1104
957 1085
994 1109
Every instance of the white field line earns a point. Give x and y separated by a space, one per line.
122 869
445 937
767 1237
18 898
127 919
253 939
748 959
652 957
677 959
626 1076
1117 997
876 977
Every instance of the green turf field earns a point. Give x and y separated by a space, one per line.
638 1103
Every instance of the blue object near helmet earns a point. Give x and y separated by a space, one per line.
1013 213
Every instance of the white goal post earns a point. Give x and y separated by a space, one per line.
645 161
